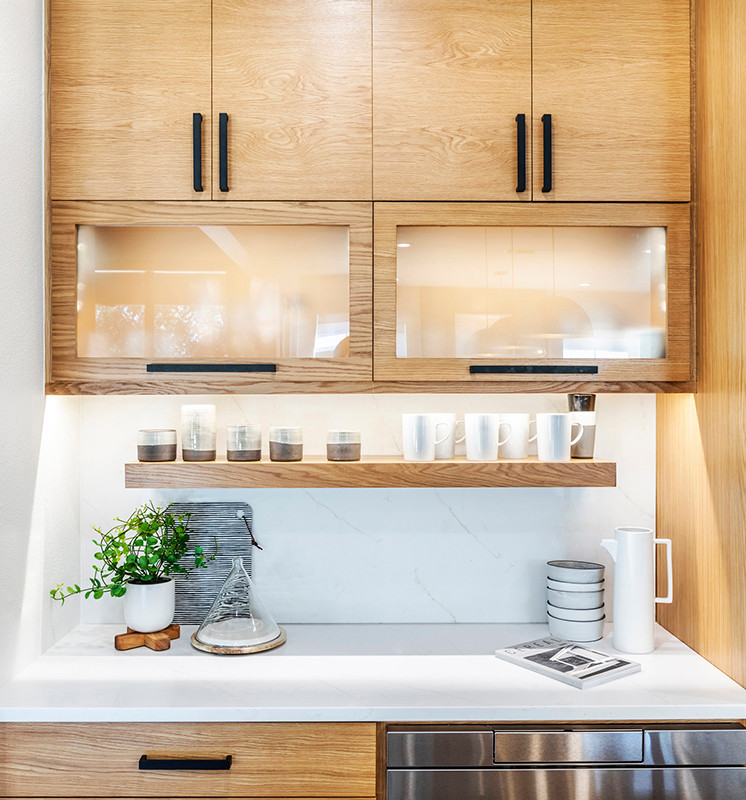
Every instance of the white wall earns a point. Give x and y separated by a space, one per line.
377 555
39 503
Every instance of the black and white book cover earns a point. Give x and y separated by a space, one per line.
568 662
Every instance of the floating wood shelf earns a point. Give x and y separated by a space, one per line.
371 472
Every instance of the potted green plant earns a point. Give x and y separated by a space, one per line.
136 559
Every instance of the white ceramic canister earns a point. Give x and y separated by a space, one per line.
633 551
149 607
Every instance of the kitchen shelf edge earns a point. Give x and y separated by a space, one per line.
385 472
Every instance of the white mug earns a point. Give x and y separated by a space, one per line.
517 444
419 436
483 436
553 436
447 447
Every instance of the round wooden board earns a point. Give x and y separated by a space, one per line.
238 651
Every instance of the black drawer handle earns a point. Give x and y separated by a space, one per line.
197 151
185 763
546 121
211 368
223 151
531 369
521 146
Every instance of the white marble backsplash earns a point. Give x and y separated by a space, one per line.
387 555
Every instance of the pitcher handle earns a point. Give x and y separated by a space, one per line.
669 572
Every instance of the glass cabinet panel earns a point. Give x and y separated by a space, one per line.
531 293
213 291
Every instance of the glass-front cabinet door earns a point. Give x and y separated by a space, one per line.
215 298
485 292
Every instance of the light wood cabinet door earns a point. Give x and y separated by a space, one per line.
614 77
155 298
126 79
294 78
449 80
532 293
269 760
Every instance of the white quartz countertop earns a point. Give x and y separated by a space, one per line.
393 673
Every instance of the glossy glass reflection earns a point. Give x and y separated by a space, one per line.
259 291
531 293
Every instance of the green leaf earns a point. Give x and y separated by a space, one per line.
98 594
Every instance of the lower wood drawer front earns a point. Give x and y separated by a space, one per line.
273 760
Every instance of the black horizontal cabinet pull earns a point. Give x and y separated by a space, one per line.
197 151
521 151
223 151
185 763
211 367
531 369
546 121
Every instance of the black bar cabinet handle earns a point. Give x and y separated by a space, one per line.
223 152
521 145
197 151
185 763
531 369
211 367
547 122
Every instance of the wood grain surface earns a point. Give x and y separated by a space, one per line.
371 471
269 759
614 75
448 81
701 454
294 77
236 385
126 78
108 372
676 366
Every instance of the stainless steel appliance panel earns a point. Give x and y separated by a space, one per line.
455 748
630 783
708 746
568 747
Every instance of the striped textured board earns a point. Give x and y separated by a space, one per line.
208 522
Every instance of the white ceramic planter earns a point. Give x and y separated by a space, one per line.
149 607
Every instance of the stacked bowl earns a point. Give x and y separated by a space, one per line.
575 600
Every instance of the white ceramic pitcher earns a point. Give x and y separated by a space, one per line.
633 551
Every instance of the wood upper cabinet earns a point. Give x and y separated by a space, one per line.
612 79
294 78
614 76
518 292
126 79
449 80
208 297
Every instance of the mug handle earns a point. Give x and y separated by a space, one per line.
669 572
534 437
577 438
461 438
510 431
447 434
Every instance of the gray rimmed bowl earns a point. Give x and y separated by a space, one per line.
575 571
566 586
575 599
576 631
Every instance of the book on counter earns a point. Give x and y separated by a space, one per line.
568 662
